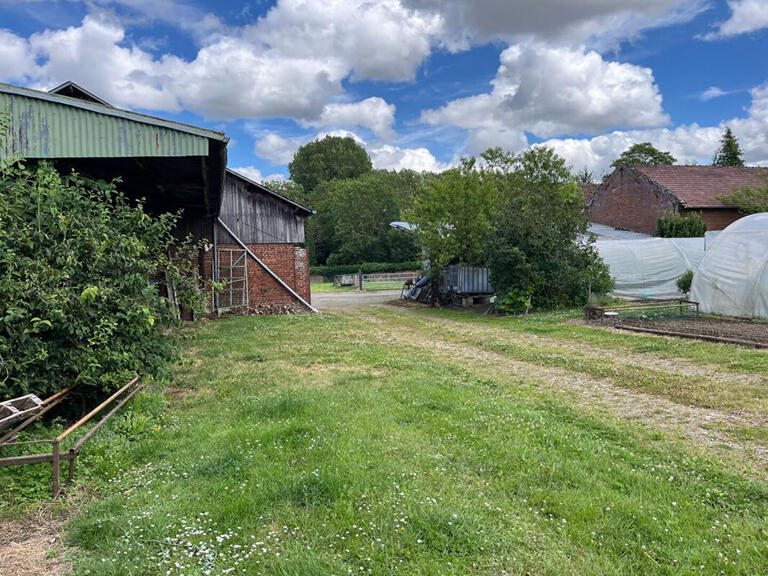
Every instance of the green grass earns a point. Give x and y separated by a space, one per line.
330 444
326 287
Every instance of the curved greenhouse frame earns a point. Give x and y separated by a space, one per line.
733 277
649 268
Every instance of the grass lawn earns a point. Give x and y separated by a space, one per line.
325 287
410 441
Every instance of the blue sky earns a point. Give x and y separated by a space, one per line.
419 83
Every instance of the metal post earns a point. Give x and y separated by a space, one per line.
56 463
360 279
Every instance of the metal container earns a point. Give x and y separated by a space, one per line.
466 280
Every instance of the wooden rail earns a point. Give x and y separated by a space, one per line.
56 456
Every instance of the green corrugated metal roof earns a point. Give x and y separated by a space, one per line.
44 125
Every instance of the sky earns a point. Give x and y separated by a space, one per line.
418 83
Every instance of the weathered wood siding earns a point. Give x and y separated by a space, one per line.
257 217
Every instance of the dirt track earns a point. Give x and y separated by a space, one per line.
353 299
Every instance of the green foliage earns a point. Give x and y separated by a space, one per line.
729 153
675 225
290 190
644 154
331 158
454 214
353 217
749 200
685 281
79 293
329 272
535 256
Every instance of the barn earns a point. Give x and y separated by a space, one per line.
261 254
635 197
261 259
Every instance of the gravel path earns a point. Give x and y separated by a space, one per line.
330 300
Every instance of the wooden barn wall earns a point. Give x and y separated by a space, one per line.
257 218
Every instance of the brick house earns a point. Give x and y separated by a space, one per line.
635 197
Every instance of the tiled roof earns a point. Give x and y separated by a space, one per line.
699 186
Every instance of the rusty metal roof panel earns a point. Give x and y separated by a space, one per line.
46 125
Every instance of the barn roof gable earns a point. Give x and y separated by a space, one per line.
73 90
265 190
700 186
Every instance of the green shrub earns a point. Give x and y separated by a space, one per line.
535 254
685 281
328 272
80 300
679 226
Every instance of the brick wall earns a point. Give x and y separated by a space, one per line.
629 201
265 294
718 218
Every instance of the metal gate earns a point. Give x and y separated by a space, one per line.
233 273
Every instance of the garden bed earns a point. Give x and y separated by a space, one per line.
732 329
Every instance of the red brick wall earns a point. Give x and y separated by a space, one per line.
718 218
265 294
629 201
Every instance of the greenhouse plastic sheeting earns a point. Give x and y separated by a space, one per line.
649 268
733 277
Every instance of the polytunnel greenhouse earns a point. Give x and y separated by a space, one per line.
649 268
732 279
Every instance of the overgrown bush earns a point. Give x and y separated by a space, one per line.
685 281
329 272
679 226
538 252
80 284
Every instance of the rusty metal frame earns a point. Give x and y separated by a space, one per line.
56 456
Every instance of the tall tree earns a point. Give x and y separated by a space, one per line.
644 154
729 153
332 158
454 216
353 218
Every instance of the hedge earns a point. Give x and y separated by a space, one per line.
679 226
329 272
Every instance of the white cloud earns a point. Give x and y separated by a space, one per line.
549 91
91 55
711 93
599 22
290 63
254 174
277 149
380 40
746 16
388 157
373 113
689 144
16 59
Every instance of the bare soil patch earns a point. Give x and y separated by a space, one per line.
719 327
32 546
